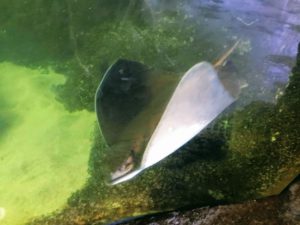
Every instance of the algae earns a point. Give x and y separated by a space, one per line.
43 152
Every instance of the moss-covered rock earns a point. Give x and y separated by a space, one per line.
275 210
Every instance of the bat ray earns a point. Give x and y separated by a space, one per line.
146 114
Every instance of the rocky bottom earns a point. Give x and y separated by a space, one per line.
283 209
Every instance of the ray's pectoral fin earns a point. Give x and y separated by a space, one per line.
197 100
122 94
129 103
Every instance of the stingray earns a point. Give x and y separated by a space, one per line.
147 114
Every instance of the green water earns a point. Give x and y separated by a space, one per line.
44 148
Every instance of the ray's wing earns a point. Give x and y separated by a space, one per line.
198 99
122 94
129 103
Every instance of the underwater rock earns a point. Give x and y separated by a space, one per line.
276 210
292 205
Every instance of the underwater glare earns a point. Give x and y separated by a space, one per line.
43 147
111 110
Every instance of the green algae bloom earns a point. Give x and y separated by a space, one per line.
43 148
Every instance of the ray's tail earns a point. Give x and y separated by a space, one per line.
222 59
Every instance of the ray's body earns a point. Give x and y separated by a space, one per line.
146 114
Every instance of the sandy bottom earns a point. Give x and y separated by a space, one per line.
44 149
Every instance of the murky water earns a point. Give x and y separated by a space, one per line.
53 55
